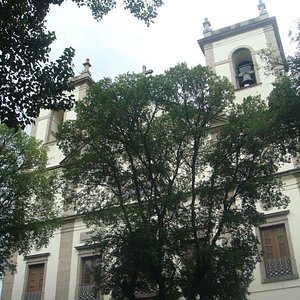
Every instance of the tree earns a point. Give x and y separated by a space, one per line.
285 97
27 207
241 163
142 9
167 172
139 195
29 81
293 61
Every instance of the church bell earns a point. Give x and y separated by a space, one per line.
244 74
247 80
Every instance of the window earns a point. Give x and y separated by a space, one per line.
88 268
35 282
278 262
56 120
244 67
276 252
88 265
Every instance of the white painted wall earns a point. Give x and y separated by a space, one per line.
55 156
222 51
255 40
20 281
265 291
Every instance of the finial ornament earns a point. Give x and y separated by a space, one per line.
207 27
145 71
262 9
206 24
87 66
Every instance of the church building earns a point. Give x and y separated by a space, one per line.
63 269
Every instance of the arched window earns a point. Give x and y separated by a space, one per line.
244 68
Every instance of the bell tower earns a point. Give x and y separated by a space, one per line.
235 51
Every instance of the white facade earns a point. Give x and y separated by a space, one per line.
62 259
249 38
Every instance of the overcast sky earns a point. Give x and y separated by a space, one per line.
120 43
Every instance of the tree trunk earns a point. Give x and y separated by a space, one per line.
161 287
128 289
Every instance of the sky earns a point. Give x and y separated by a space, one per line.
120 43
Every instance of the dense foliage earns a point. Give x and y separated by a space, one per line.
285 97
29 81
27 207
168 171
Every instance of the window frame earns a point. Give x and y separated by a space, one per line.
52 129
31 260
272 220
84 252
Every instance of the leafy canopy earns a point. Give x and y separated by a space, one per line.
168 172
29 81
285 97
27 207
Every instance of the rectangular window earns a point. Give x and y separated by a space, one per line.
86 291
56 120
88 268
35 282
278 263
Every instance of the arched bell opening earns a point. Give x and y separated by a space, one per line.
244 68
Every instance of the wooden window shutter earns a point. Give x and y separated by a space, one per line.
276 254
35 278
274 242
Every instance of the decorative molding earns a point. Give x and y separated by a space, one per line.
240 28
277 214
83 247
37 256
